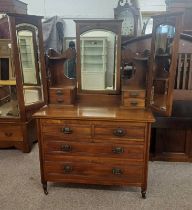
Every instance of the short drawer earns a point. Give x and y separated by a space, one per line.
134 94
61 96
134 103
83 172
67 131
119 132
10 133
135 152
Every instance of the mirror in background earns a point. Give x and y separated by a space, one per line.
28 44
163 53
98 60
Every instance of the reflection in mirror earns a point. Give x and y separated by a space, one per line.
8 99
27 36
98 60
163 53
27 54
70 64
128 23
164 39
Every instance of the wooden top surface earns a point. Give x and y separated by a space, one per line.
94 113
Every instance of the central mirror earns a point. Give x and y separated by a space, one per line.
98 53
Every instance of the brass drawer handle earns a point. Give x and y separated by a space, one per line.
67 169
117 171
119 132
66 130
66 148
8 134
134 103
60 100
118 150
134 94
59 92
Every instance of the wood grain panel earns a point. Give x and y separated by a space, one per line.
109 172
10 133
135 152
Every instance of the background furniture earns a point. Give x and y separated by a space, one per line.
13 6
130 14
94 62
22 81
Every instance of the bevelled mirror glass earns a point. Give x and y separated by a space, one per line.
163 57
27 37
98 60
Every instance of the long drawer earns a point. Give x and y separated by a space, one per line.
65 148
10 132
85 172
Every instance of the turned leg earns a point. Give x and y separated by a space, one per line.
45 188
143 193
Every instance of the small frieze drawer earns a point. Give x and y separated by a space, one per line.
122 173
134 94
61 96
121 132
133 103
67 131
10 133
135 152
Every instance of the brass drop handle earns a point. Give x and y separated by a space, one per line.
117 171
134 103
67 169
119 132
66 130
60 100
8 134
59 92
134 94
66 148
118 150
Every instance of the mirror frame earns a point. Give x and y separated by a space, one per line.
175 20
112 25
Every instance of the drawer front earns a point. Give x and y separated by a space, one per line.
67 131
120 132
134 102
61 96
134 94
80 172
135 152
10 133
